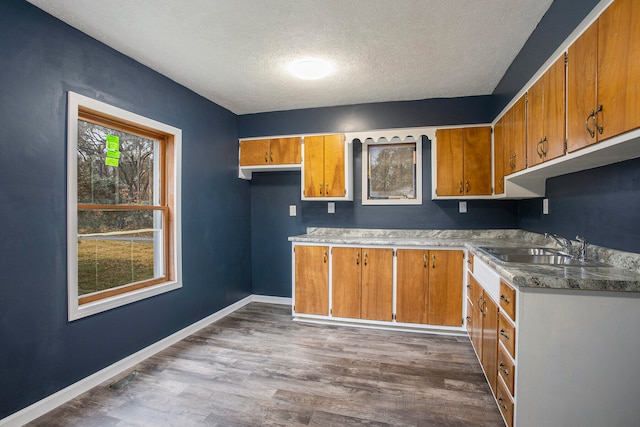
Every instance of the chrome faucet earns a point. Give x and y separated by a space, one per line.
565 243
582 255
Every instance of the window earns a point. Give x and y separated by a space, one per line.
123 207
391 172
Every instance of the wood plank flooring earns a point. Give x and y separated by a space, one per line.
258 367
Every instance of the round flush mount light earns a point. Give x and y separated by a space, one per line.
310 68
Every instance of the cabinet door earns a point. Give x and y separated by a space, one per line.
284 151
346 275
518 143
377 284
445 288
477 161
490 340
554 112
449 165
334 180
618 73
475 297
498 156
535 122
254 152
313 166
581 88
312 280
411 285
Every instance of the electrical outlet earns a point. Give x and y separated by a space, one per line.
462 207
292 210
331 207
545 206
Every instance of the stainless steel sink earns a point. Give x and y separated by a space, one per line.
506 250
537 256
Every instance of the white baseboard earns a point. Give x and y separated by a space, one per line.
51 402
271 300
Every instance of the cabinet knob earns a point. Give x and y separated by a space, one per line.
357 258
324 255
504 334
503 298
424 260
266 157
365 258
433 261
460 187
321 189
466 183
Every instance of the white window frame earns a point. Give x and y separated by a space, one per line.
365 170
76 310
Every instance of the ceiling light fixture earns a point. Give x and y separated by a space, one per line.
310 68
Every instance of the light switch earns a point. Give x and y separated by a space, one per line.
331 207
545 206
462 207
292 210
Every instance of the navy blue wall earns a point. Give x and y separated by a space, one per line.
601 204
40 352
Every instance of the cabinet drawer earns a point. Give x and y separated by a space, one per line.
508 299
506 368
505 403
507 334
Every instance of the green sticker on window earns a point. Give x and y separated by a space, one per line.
110 161
113 143
113 154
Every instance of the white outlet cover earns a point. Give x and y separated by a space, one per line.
331 207
462 207
545 206
292 210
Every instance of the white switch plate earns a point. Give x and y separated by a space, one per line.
462 207
331 207
292 210
545 206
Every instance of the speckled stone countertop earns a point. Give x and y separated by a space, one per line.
623 274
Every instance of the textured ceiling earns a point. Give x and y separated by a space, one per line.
235 52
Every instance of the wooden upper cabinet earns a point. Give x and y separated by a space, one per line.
377 284
285 151
334 166
412 285
449 162
324 166
515 137
603 75
477 161
254 152
445 287
619 68
312 280
463 161
498 156
276 151
546 115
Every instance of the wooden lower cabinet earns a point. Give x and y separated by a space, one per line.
362 283
483 328
429 287
311 279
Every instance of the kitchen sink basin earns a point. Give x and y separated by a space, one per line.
537 256
505 250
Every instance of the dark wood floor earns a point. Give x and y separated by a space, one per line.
257 367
